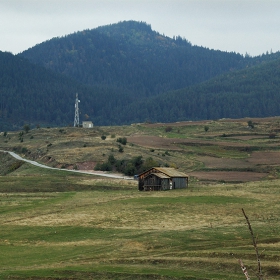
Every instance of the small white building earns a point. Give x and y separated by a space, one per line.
87 124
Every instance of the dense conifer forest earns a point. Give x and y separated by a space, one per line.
126 73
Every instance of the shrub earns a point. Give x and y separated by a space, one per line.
168 129
111 159
14 166
122 140
26 128
103 137
24 150
130 169
250 124
120 149
272 135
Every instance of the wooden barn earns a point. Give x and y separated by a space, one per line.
161 178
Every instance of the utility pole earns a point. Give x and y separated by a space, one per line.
76 119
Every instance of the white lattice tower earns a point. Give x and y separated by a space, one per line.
76 118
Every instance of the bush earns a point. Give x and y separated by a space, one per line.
14 166
272 135
26 128
103 137
250 124
168 129
130 169
120 149
24 150
123 140
111 159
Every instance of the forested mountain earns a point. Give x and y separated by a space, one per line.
130 55
33 94
252 92
126 73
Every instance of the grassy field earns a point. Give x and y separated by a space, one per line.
62 225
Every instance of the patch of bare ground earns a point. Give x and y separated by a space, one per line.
85 165
170 143
184 123
213 162
228 176
154 141
249 137
265 158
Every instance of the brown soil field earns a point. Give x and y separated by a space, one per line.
170 143
155 141
212 162
265 158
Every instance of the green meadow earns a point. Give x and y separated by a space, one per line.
120 233
63 225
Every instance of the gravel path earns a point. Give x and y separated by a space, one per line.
77 171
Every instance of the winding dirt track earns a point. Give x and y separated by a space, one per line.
114 176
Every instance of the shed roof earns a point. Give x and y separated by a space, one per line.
161 175
170 172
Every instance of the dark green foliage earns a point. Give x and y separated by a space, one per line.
14 166
250 124
206 128
103 137
131 55
252 92
122 140
26 128
8 164
168 129
128 167
111 159
120 149
24 150
272 135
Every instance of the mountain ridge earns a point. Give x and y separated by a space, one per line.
131 73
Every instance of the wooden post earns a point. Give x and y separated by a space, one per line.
260 275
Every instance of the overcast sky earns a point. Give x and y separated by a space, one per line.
242 26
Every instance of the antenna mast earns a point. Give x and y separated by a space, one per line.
76 119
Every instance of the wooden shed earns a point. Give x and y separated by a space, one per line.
162 178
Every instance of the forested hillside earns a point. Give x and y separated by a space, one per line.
126 73
32 94
252 92
130 55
